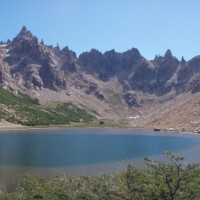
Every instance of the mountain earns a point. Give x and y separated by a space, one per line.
123 88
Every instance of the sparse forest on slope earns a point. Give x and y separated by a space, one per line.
21 109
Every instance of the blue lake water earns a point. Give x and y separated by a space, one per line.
69 147
87 151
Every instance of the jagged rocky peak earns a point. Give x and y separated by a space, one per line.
92 61
167 58
130 58
24 42
102 65
157 58
134 53
68 52
92 54
107 65
194 63
37 65
183 61
25 34
168 54
24 30
112 56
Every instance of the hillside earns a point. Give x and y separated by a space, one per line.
21 109
41 84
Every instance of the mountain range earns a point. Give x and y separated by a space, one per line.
120 88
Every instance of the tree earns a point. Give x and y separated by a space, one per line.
172 180
129 185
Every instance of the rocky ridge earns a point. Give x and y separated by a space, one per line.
115 85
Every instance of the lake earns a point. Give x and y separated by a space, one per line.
87 151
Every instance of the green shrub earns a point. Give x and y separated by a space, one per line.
158 181
21 109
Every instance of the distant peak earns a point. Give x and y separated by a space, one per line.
168 54
25 35
94 50
66 49
135 50
183 60
25 31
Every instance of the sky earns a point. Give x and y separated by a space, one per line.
151 26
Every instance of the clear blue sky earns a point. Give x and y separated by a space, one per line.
152 26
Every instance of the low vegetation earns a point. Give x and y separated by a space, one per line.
159 180
21 109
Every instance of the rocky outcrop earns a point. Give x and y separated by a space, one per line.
131 100
95 63
93 89
111 63
99 95
188 78
39 65
130 58
144 78
154 76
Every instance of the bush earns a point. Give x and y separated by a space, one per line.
159 180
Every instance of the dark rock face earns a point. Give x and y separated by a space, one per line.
93 89
154 76
143 79
111 63
25 44
189 76
165 68
94 62
70 62
168 54
113 60
130 58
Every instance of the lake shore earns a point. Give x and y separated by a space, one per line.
7 126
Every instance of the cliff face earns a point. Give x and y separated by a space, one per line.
27 64
106 66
